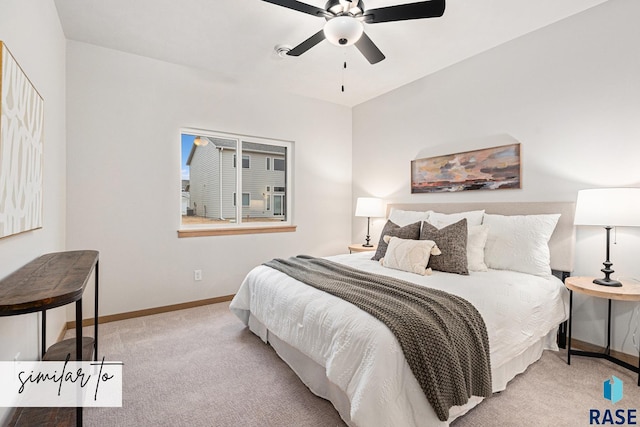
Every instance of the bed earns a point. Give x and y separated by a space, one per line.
347 356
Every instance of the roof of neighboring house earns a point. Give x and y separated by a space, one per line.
246 146
263 148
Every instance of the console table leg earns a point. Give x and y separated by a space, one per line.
79 351
44 333
79 330
95 315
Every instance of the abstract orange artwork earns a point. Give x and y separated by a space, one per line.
487 169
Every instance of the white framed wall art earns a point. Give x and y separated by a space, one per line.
21 149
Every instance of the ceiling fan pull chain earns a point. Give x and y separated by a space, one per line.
344 67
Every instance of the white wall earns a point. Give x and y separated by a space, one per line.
124 114
570 93
31 30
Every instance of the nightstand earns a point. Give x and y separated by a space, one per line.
629 291
357 247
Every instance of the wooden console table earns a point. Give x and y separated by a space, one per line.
47 282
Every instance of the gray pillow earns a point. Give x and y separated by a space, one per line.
411 231
452 241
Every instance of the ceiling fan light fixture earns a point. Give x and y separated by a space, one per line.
343 30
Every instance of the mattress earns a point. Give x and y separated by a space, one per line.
370 381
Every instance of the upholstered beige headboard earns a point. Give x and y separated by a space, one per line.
562 241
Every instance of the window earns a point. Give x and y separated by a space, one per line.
246 162
246 199
278 204
267 197
210 183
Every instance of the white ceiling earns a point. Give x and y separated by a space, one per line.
235 39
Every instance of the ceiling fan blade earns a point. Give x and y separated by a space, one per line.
402 12
300 7
369 49
307 44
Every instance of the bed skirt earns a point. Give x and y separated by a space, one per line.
314 377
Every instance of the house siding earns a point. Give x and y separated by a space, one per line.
228 184
212 175
255 181
202 170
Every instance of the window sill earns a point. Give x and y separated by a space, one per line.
198 232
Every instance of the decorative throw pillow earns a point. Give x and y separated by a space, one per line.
442 220
411 231
409 255
520 242
452 241
476 241
402 218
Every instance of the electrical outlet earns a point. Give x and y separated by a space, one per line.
197 275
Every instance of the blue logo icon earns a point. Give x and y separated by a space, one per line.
612 389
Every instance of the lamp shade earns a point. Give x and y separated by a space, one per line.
369 207
608 207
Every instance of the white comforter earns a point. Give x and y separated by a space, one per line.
361 355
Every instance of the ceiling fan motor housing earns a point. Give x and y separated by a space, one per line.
340 7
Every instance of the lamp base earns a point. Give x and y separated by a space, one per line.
607 282
366 243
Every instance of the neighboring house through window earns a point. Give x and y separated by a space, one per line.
213 181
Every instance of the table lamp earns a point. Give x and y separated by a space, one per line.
369 207
608 207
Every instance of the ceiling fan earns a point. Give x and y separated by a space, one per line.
345 19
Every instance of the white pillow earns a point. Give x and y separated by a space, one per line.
403 218
409 255
476 241
520 242
441 220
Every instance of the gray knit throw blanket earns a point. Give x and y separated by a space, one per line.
443 337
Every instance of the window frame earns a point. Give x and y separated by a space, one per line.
235 199
246 157
274 165
240 227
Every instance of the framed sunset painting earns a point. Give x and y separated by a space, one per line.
492 168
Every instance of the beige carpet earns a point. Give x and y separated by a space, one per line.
202 367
